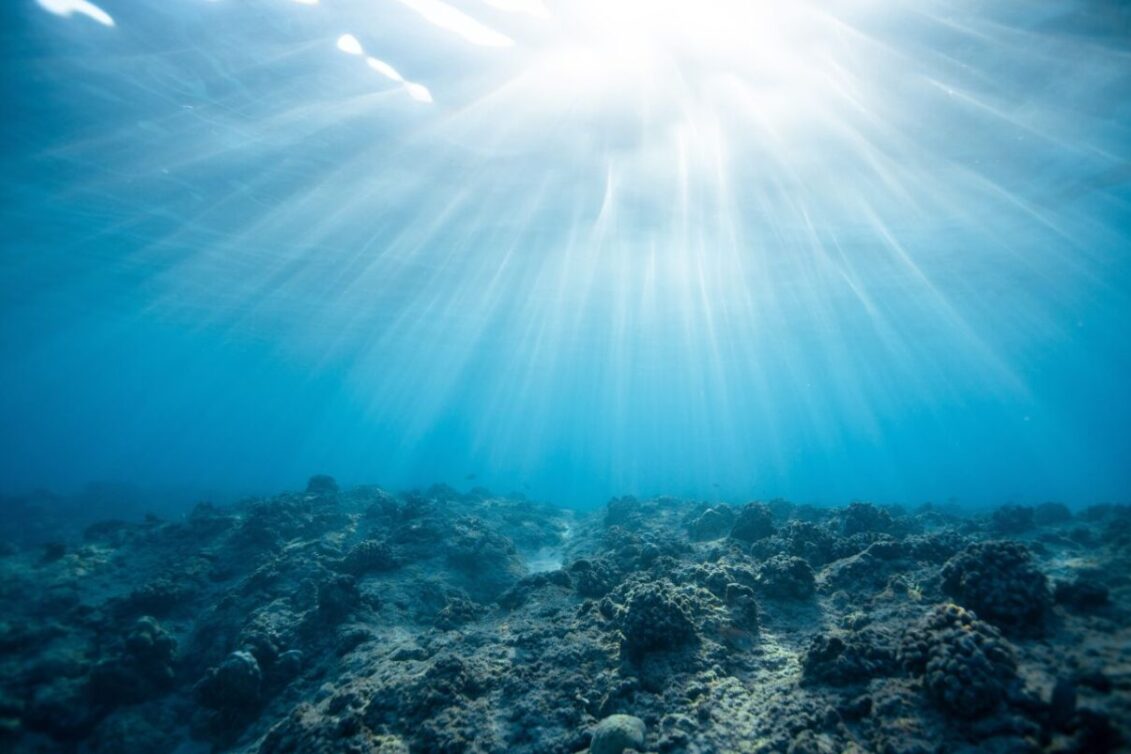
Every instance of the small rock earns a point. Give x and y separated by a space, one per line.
616 733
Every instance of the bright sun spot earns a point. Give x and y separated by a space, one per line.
742 32
534 8
673 50
348 44
447 17
67 8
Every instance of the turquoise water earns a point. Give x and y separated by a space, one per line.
860 249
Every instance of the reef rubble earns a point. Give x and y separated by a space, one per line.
362 621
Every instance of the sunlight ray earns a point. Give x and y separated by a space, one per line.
452 19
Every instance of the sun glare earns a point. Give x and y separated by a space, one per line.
788 213
671 55
714 33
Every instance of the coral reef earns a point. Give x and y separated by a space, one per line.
357 620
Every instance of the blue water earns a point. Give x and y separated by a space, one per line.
857 249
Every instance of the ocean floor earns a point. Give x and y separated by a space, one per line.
364 621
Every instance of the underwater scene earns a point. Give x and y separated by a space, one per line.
564 376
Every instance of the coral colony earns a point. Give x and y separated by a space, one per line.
357 620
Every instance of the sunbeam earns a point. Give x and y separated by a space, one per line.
601 245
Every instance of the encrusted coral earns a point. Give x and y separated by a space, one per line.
338 596
308 731
142 668
469 647
997 580
936 547
656 618
528 586
592 578
434 709
234 684
485 555
805 539
870 568
456 612
621 510
1083 593
852 657
369 556
321 484
754 522
787 577
1050 514
859 518
158 597
713 523
740 599
1011 519
967 666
